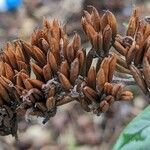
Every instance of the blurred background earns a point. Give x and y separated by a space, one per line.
71 128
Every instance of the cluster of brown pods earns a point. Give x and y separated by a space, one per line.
51 70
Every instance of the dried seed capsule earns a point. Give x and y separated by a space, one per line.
100 79
90 93
64 68
108 87
52 61
70 53
51 91
120 48
44 45
133 22
95 19
107 39
36 83
122 69
138 78
112 22
37 71
132 27
126 96
104 106
87 16
74 70
131 53
19 53
64 81
76 42
100 44
47 72
112 67
81 56
105 66
2 70
9 73
50 103
39 55
27 84
4 94
104 21
110 99
91 77
117 88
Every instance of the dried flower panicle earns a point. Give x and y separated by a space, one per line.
135 47
52 70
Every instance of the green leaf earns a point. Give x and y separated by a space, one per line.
136 136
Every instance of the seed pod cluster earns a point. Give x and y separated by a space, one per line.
100 30
98 91
51 70
135 47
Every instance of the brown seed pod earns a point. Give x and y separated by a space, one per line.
110 99
23 66
113 23
108 87
52 62
2 70
11 58
100 43
81 56
87 16
91 77
90 93
39 56
70 53
120 48
51 92
105 67
50 103
64 68
117 88
4 94
100 79
64 81
131 53
74 70
37 71
36 83
9 73
107 39
104 106
122 69
47 72
95 19
19 53
112 67
27 84
138 78
76 42
131 27
126 96
44 45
